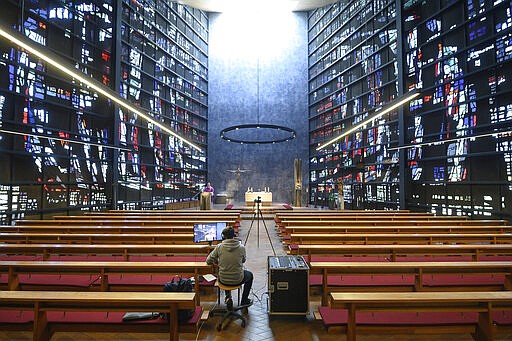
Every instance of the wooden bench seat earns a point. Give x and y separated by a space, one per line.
203 217
96 238
124 250
399 229
398 238
303 212
97 229
396 222
185 211
411 276
96 275
45 305
164 212
396 251
320 217
485 305
125 222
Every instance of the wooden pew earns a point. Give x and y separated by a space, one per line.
374 220
391 252
92 228
399 238
310 210
122 222
170 213
184 211
102 270
109 217
43 302
280 216
419 270
396 222
164 211
126 250
96 238
397 228
337 214
483 303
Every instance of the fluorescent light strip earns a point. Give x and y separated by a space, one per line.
63 140
376 115
496 134
114 97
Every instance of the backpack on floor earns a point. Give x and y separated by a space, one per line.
179 284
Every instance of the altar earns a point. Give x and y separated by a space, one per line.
266 198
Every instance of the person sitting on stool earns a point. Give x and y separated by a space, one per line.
230 256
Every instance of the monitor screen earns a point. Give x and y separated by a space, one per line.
208 232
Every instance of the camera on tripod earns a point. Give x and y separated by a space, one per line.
258 200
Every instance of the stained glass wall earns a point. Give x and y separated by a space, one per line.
458 55
452 143
164 69
65 148
352 73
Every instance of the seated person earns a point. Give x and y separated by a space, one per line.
230 256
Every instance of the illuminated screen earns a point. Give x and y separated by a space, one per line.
208 232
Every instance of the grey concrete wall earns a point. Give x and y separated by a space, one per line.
257 73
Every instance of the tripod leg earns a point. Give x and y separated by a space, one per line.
266 230
250 228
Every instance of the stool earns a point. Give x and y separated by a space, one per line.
230 311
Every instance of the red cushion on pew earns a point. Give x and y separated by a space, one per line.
315 280
82 281
434 259
293 247
4 278
377 280
332 317
16 316
196 316
467 279
90 258
207 283
19 257
143 258
288 207
228 207
363 280
502 317
416 318
95 317
107 317
496 258
131 279
347 259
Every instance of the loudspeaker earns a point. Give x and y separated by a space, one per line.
288 285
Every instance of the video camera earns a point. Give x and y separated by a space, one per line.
257 200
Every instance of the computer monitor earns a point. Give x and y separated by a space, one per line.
208 232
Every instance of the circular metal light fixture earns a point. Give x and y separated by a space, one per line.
290 133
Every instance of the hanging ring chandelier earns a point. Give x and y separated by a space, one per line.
289 133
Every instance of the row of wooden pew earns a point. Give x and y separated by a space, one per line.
64 262
398 270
